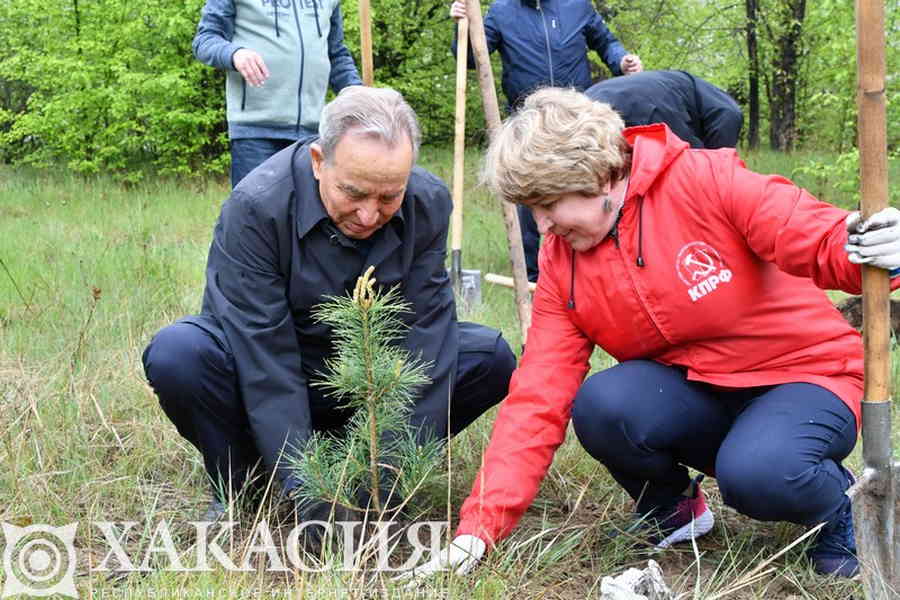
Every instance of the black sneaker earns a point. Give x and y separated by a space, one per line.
834 551
684 518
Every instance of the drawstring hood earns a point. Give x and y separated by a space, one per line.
640 255
614 235
656 147
277 30
571 303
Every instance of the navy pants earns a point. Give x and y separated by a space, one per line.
531 240
194 378
776 451
249 153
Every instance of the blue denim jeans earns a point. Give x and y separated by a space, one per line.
776 450
249 153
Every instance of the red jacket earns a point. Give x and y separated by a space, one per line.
733 263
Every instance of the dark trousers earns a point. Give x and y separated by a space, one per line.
776 451
249 153
531 240
195 379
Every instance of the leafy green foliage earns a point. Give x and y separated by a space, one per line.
411 50
113 87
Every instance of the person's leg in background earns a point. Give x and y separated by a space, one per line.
531 240
249 153
781 461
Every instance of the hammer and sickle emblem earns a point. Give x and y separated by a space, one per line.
699 264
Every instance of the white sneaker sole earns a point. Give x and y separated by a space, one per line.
698 527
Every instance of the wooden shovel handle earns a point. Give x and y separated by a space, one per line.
365 43
459 142
492 116
874 192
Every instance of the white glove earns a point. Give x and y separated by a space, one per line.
462 555
875 241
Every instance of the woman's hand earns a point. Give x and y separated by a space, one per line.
875 241
461 555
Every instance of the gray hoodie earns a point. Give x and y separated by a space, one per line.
302 43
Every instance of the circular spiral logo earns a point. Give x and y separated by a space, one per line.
39 560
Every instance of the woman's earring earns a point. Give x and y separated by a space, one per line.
607 204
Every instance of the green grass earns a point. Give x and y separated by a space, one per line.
91 269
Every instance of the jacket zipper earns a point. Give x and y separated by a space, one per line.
547 42
640 299
302 61
243 93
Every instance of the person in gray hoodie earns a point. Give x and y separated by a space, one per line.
279 58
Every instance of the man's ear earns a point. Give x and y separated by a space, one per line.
318 158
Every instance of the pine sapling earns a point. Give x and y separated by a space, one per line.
371 374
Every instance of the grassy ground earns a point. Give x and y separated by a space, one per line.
91 269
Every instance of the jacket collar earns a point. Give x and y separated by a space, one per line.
655 147
311 211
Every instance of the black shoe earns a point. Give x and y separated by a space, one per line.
834 551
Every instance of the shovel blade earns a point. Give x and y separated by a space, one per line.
876 512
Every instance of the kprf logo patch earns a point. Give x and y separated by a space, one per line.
701 268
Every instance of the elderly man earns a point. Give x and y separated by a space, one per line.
235 379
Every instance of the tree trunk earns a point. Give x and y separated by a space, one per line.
783 103
753 76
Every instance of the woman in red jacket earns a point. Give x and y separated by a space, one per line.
705 281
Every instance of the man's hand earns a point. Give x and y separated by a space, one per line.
875 241
461 555
631 64
328 512
458 10
251 66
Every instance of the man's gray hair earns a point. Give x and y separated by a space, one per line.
381 113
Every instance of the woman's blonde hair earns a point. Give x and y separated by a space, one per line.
559 142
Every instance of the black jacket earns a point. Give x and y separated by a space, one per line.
697 111
275 254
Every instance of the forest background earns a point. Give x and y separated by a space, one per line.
111 86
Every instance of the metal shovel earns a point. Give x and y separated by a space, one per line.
466 283
875 494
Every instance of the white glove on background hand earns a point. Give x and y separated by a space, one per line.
875 241
462 555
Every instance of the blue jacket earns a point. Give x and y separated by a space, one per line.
545 42
302 43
